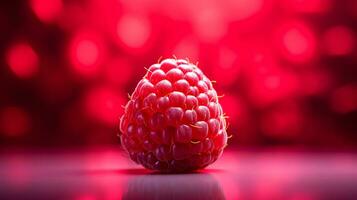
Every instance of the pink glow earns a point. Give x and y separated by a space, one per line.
22 60
47 10
209 24
297 41
86 53
133 31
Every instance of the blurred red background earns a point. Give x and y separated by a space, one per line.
286 68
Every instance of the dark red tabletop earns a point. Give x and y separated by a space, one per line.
109 174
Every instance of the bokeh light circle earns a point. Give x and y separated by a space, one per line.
133 31
47 10
86 53
22 60
296 41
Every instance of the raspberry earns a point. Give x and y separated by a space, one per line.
173 121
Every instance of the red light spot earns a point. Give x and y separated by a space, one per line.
295 42
23 60
272 82
46 10
104 105
14 121
86 53
298 42
344 99
209 24
339 40
133 31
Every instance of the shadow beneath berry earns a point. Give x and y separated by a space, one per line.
201 171
138 171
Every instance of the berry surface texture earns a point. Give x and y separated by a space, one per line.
173 121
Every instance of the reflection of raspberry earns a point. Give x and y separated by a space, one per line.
173 121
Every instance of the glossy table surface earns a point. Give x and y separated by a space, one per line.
108 174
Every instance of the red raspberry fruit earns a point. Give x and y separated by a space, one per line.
173 121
